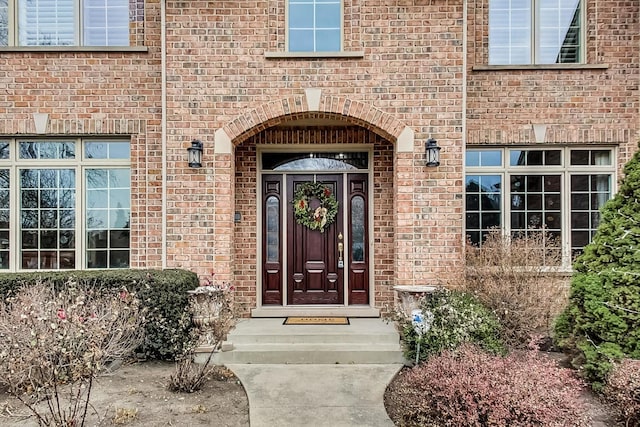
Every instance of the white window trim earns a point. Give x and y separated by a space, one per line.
565 170
322 54
535 43
14 164
13 32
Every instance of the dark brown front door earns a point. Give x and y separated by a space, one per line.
318 264
314 275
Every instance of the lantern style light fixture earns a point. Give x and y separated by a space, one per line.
194 154
433 153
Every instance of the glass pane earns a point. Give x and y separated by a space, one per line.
300 16
119 259
96 239
107 150
315 161
301 41
106 23
119 239
510 32
273 228
4 25
96 259
579 157
46 22
47 150
327 41
559 32
472 158
357 229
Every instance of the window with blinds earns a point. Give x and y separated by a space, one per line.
64 23
535 32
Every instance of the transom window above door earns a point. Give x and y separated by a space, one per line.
64 23
314 25
315 161
535 32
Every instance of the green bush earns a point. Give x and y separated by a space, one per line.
602 322
162 292
458 318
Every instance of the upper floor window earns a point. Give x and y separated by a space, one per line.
314 25
535 32
64 22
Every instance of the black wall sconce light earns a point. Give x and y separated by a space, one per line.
194 154
433 153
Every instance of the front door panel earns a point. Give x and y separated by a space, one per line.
318 264
314 276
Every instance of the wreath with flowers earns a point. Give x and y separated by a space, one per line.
320 217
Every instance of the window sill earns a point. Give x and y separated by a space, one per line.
313 55
74 49
540 67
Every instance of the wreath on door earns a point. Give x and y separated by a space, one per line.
320 217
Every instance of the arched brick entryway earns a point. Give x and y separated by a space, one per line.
392 144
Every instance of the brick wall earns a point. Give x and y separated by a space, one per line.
108 93
597 105
410 74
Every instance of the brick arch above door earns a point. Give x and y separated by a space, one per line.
313 104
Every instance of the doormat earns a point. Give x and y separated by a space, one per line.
297 320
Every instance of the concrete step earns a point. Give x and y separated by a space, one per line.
268 341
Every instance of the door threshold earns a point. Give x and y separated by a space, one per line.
361 311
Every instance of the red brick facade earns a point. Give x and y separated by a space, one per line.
226 80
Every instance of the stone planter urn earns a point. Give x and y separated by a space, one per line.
207 308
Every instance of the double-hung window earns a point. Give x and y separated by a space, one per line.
64 204
535 32
522 190
64 22
314 25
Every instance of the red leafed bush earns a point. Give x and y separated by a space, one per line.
469 387
622 390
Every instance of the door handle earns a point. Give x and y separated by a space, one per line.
340 251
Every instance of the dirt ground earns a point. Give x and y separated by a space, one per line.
137 395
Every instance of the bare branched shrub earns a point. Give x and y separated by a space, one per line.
622 391
53 343
514 277
468 387
212 310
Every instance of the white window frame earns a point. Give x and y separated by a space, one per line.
535 32
79 39
79 164
565 170
314 51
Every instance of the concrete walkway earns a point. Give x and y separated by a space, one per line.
316 395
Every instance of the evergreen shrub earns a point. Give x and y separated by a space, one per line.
602 322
